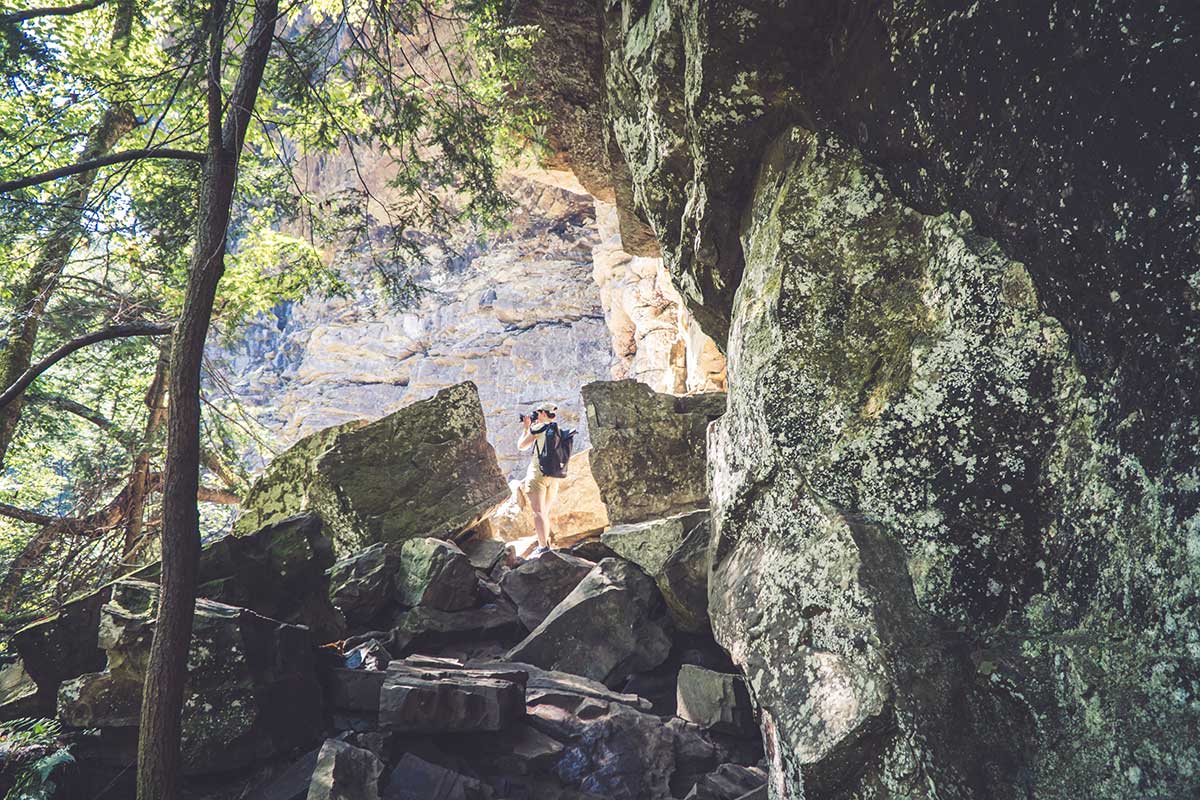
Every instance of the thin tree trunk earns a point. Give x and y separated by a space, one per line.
166 670
34 295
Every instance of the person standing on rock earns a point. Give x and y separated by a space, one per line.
540 488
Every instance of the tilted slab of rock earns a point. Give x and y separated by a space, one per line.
413 700
436 574
648 449
427 629
276 572
245 673
425 470
610 625
715 700
731 782
674 551
539 584
345 772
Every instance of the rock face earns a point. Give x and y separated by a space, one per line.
244 675
951 464
612 624
958 463
648 452
425 470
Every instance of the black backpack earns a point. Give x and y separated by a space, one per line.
554 456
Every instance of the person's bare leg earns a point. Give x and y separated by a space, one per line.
547 507
537 499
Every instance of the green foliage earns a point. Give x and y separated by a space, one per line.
31 751
412 101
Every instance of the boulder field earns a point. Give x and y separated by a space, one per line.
431 662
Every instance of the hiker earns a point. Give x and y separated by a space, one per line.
547 468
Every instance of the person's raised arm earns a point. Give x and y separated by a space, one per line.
527 439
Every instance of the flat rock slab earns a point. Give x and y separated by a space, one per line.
611 625
412 700
539 584
425 470
427 629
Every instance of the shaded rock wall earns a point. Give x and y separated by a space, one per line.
952 250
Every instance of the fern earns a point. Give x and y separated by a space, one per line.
31 751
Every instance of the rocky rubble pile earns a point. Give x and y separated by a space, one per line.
419 666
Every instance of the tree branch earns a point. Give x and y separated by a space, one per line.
25 515
96 163
49 11
104 334
222 496
78 409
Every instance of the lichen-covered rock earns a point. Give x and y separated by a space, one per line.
925 516
278 571
537 585
610 625
362 584
437 575
679 543
648 449
425 470
714 700
345 772
245 673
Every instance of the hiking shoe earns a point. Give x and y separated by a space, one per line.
538 551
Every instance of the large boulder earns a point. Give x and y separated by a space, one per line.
922 535
278 571
674 552
245 673
648 449
437 575
414 778
537 585
425 470
430 630
362 585
610 625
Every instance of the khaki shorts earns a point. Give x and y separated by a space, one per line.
535 483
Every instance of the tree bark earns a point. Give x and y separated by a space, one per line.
34 295
166 670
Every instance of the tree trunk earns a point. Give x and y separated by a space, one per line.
34 295
166 670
